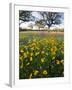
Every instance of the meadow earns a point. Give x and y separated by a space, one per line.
41 54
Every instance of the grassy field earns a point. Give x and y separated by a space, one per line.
41 54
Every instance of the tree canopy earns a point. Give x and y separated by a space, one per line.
51 18
26 16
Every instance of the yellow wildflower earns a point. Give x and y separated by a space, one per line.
25 55
31 58
27 52
33 44
42 52
36 72
42 60
21 51
31 54
57 62
52 42
53 50
62 61
45 72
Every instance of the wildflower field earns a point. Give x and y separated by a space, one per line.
41 54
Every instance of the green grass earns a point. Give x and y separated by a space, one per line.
25 35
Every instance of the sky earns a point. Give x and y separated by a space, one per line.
36 15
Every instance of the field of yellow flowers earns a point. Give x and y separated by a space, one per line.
41 55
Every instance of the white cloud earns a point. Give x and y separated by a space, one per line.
57 26
26 25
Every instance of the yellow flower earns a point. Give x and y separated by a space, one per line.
21 51
36 72
25 55
42 60
53 50
62 61
57 62
45 72
42 52
31 58
27 52
52 42
53 53
30 76
33 44
31 54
